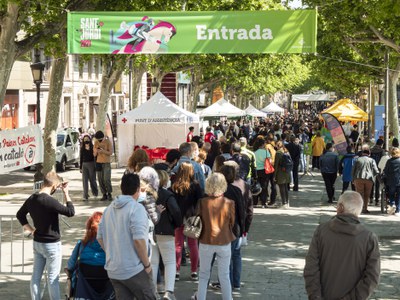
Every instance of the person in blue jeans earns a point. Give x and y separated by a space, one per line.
234 193
218 216
44 211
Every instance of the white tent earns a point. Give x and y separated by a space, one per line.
273 108
254 112
156 123
222 108
310 97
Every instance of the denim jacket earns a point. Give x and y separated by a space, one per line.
329 162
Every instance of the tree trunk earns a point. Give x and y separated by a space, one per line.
195 91
393 107
53 113
110 75
137 76
9 29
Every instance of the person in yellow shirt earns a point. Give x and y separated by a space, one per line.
318 146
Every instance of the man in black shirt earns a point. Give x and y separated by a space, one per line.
295 150
44 211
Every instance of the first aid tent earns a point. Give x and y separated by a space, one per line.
156 123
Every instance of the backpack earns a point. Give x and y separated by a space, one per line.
286 163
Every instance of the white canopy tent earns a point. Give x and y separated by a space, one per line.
222 108
254 112
156 123
273 108
310 98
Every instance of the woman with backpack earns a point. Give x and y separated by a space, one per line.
282 172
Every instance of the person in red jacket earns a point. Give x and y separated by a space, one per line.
209 137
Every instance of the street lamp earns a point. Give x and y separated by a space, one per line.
37 69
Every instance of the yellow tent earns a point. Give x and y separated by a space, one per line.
345 110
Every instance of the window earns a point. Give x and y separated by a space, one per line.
75 137
60 139
67 69
118 87
121 102
90 68
113 104
97 67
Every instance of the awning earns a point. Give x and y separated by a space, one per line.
345 110
310 98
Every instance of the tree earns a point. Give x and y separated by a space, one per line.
110 73
366 29
19 34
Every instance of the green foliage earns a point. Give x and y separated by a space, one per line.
349 36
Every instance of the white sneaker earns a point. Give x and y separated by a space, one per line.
397 214
391 210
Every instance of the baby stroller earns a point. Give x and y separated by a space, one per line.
89 282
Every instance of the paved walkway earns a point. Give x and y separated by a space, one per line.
272 262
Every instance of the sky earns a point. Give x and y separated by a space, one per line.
295 4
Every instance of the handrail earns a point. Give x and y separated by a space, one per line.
10 238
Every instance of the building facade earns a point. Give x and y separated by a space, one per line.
80 95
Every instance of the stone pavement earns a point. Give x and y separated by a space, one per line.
272 262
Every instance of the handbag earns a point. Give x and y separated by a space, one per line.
268 167
192 227
255 187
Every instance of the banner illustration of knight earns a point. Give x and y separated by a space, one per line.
141 37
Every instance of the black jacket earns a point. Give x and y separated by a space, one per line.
171 217
235 194
294 151
391 175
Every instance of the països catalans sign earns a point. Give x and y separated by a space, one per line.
192 32
20 148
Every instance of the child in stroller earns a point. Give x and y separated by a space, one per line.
85 268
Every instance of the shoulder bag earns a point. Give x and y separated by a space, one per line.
268 167
193 226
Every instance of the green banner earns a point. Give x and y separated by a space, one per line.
192 32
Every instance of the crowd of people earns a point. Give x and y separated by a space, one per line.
220 177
